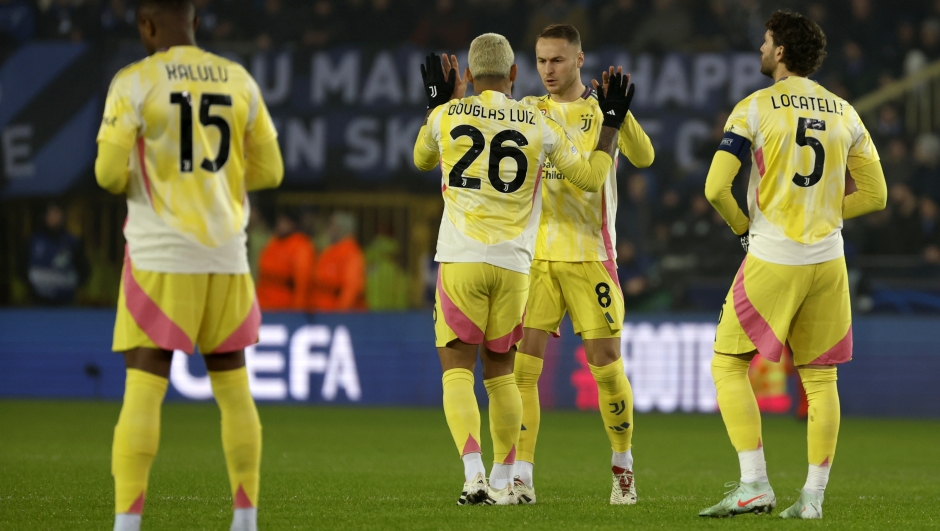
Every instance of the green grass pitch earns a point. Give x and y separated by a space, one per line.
375 468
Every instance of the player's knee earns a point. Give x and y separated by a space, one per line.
726 364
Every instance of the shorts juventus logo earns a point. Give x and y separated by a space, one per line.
586 121
618 408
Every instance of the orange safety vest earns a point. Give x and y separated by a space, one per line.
284 273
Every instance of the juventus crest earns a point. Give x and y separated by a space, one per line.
586 121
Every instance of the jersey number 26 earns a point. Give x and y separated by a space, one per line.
497 153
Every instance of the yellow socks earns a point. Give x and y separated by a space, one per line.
461 410
505 423
527 371
737 402
823 426
136 439
241 434
615 398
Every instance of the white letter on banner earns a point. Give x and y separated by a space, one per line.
365 150
309 145
341 369
399 142
666 363
304 361
745 76
672 84
16 151
194 387
688 365
280 90
326 78
643 345
710 72
267 361
383 82
707 396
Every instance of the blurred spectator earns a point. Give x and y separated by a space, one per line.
275 25
636 282
858 73
635 217
55 265
930 228
667 28
896 162
340 275
118 20
721 25
285 267
897 230
926 177
17 23
383 22
258 237
443 27
218 20
66 19
323 25
889 124
617 22
865 26
500 16
386 281
558 12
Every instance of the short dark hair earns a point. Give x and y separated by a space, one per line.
561 31
172 6
803 41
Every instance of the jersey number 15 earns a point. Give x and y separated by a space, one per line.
184 100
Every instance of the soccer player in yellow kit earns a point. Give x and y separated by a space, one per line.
185 136
574 270
491 150
792 290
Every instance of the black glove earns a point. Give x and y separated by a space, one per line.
745 240
616 102
437 90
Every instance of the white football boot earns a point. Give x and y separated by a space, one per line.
623 491
505 496
474 491
756 497
524 493
808 507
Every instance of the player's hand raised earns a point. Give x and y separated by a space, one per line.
614 96
438 86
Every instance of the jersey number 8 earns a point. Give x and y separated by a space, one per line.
805 181
184 100
497 153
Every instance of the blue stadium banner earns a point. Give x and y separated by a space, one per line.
340 112
50 107
389 359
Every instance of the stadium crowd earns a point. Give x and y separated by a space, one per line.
670 240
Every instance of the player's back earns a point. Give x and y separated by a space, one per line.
803 140
491 151
193 112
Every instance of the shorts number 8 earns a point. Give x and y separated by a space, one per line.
603 294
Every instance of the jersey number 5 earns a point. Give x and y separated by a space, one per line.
497 153
802 140
184 100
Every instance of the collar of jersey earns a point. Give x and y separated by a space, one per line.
493 95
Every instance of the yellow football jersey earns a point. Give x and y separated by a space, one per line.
491 149
578 226
186 115
802 139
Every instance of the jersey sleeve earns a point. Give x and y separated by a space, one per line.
260 128
121 121
589 173
738 122
558 147
427 151
862 152
634 143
